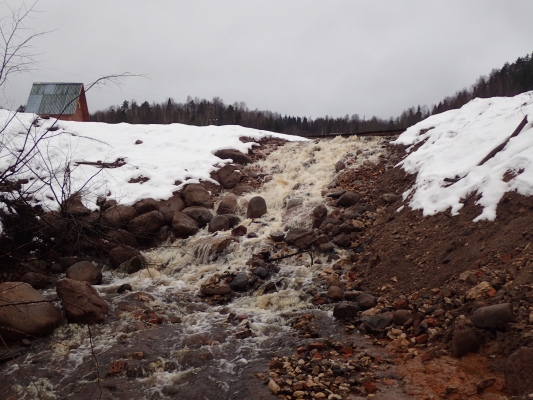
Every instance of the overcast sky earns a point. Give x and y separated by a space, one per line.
307 58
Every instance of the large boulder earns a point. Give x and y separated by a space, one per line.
348 199
25 320
170 206
301 238
146 205
493 317
234 155
197 195
121 254
519 373
183 226
218 223
120 215
201 215
37 280
228 205
82 303
229 175
85 271
146 224
256 207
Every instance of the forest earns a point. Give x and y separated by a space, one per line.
509 80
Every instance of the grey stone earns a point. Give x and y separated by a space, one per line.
201 215
378 322
400 317
339 166
85 271
256 207
366 300
493 317
390 197
348 199
301 238
197 195
519 372
239 283
146 205
345 310
218 223
234 155
228 205
183 225
81 301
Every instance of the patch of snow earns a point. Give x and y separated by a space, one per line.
453 144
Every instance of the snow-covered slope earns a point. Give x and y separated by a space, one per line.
168 153
457 141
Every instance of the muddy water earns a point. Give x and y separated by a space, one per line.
164 340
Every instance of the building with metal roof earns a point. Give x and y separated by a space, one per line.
65 101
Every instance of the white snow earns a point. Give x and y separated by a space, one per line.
168 153
457 141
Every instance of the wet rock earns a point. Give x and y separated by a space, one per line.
464 341
335 293
120 215
294 202
261 273
342 240
390 197
122 236
146 205
228 204
121 254
183 225
124 287
493 317
195 195
81 302
218 223
85 271
25 320
234 155
214 289
336 194
277 236
201 215
239 283
300 238
378 322
256 207
320 211
229 176
170 206
239 231
518 372
146 224
348 199
37 280
251 235
339 166
326 248
366 300
400 317
234 220
345 310
241 188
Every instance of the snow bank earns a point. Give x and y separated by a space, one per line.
455 142
168 153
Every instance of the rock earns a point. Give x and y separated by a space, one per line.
107 204
183 226
201 215
146 205
213 289
390 197
122 236
239 231
335 293
25 320
74 205
229 176
326 248
120 215
146 224
294 202
277 236
366 300
342 240
85 271
348 199
478 291
339 166
464 341
82 303
472 279
378 322
213 245
320 211
336 194
239 283
400 304
261 273
241 188
124 287
400 317
121 254
228 205
196 195
256 207
493 317
300 238
344 310
218 223
36 280
234 220
518 372
234 155
170 206
273 387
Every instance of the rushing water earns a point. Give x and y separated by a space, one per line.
163 339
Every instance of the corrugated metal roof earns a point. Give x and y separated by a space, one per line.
53 98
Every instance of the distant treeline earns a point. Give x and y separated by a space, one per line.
510 80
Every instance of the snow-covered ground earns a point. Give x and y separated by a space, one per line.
457 141
168 153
